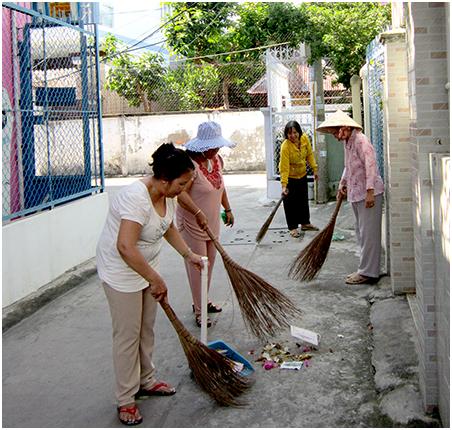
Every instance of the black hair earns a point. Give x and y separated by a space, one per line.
170 162
292 124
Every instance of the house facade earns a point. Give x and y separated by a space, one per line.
415 102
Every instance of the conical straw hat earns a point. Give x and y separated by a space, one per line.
337 119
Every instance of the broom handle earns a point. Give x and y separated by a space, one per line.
275 208
338 206
179 327
220 249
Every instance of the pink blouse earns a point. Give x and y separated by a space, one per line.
206 191
361 171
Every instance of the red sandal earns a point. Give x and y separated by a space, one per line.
156 390
132 410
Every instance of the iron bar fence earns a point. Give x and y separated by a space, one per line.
51 140
375 59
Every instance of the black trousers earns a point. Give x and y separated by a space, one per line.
296 204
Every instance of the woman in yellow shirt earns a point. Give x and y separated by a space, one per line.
296 150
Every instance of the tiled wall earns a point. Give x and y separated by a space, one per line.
429 133
398 163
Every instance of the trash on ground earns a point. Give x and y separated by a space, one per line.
274 355
306 335
292 365
269 364
340 336
337 236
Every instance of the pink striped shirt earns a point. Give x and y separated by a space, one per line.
361 171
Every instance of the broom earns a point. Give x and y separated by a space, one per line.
264 228
310 260
212 371
265 309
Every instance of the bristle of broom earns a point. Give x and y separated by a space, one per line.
310 260
265 309
267 223
211 370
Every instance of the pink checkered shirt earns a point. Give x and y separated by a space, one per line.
361 170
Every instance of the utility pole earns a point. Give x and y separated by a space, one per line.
321 193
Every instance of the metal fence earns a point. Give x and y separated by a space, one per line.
145 84
290 86
375 59
51 151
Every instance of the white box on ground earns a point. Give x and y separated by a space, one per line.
306 335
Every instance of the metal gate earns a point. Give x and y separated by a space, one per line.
375 57
51 124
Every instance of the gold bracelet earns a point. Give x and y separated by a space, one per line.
199 210
186 253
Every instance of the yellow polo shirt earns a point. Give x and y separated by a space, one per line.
292 162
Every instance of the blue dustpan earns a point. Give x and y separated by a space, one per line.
219 345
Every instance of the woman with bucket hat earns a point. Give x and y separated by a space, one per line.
200 204
363 186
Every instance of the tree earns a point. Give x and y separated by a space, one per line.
339 31
137 78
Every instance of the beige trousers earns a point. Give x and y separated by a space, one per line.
133 317
368 234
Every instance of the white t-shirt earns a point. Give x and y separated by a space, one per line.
132 203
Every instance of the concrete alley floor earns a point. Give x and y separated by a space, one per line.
57 364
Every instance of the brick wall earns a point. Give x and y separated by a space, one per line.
398 163
429 133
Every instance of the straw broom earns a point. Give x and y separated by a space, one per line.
264 228
212 371
265 309
310 260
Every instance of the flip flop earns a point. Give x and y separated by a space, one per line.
309 227
132 410
156 390
356 278
295 233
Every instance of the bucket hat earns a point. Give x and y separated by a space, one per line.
208 137
337 119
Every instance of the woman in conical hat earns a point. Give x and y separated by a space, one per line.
363 186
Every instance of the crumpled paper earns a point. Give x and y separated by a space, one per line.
274 354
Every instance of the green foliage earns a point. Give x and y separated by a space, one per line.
200 28
137 78
341 32
338 30
187 87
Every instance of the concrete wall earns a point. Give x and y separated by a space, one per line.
129 141
429 133
41 247
398 163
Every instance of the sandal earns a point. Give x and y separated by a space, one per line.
307 227
131 410
198 321
356 278
159 389
211 308
295 233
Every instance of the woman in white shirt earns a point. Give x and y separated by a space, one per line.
140 216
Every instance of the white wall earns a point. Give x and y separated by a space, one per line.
129 141
41 247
